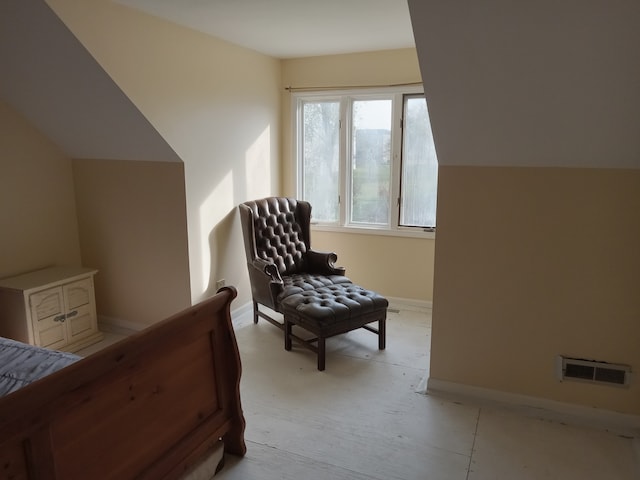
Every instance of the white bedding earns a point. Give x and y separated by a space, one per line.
21 364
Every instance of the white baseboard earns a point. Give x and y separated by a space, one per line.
242 315
119 326
242 310
127 327
620 423
409 304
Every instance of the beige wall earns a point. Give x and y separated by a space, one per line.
401 268
532 263
216 104
395 266
37 215
133 229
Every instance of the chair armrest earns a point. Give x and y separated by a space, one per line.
268 268
323 263
266 282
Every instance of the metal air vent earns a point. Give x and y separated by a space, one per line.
593 371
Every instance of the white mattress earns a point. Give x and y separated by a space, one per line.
21 364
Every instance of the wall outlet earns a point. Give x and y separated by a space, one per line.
220 283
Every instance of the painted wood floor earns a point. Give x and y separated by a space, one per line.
363 419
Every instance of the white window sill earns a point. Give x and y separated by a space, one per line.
407 233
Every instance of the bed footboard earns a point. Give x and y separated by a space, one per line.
150 406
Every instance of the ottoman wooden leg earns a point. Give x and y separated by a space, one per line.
287 334
382 333
321 354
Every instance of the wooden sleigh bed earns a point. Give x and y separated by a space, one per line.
151 406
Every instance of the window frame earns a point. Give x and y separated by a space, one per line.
397 94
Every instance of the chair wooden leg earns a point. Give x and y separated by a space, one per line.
382 333
287 334
321 353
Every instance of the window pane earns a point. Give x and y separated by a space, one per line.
371 161
419 166
320 163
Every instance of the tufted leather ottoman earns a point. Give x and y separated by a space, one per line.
331 310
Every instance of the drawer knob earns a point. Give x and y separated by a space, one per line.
59 318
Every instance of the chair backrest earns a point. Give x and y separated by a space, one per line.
277 229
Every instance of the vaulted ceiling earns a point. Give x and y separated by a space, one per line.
546 83
293 28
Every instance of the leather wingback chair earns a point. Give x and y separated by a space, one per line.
280 259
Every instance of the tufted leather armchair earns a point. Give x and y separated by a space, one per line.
280 259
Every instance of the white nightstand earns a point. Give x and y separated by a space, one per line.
53 308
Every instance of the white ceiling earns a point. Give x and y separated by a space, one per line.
293 28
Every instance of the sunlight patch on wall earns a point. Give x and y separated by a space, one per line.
216 206
258 166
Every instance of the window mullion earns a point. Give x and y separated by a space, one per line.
345 177
298 147
396 156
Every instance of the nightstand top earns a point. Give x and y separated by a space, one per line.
45 276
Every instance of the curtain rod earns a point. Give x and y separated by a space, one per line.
347 87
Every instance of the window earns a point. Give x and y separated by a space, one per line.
367 159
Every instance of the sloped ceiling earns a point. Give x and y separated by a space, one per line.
544 83
51 79
293 28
